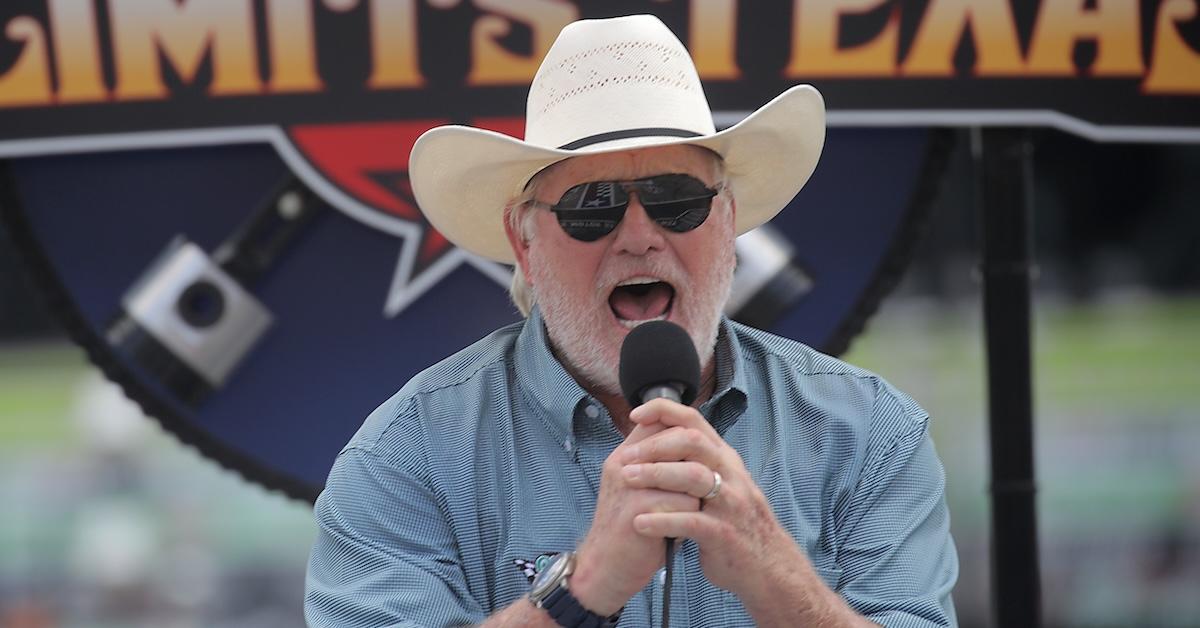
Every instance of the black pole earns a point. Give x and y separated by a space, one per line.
1003 159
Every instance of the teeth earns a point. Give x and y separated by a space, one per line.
637 281
632 324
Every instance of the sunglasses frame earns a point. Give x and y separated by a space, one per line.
585 228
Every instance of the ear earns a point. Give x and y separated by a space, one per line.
519 245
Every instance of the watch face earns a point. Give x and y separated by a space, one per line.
547 579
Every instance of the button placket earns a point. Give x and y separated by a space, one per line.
584 446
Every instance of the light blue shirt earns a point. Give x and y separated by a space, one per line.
437 510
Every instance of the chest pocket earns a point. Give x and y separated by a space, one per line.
516 565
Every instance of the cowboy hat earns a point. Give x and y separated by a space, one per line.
604 86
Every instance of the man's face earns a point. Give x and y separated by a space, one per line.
592 293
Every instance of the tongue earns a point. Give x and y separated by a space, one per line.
641 303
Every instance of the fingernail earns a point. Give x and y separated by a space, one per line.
633 471
632 453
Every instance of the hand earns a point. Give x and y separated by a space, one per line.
614 561
678 451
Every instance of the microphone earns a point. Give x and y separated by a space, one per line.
658 360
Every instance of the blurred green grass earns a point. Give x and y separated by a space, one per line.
37 386
1137 351
1144 353
1115 387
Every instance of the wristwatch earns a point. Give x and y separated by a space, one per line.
552 594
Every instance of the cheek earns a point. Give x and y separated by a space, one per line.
562 266
712 247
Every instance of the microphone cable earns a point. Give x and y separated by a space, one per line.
670 570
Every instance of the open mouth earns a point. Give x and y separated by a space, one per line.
641 299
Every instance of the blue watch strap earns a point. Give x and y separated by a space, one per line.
569 613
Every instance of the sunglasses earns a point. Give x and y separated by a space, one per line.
589 211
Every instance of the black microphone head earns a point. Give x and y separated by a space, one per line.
655 353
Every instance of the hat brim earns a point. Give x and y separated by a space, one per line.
462 177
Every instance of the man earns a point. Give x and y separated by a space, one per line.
804 491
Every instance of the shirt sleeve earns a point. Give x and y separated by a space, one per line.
897 560
384 553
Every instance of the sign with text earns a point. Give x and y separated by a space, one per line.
1108 69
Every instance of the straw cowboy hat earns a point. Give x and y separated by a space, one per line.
610 85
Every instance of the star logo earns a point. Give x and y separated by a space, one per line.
362 170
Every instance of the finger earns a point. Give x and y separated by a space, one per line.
679 525
639 433
671 414
651 500
649 412
676 444
642 432
691 478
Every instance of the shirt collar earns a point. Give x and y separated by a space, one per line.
547 384
542 378
729 393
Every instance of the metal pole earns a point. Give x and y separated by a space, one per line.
1003 159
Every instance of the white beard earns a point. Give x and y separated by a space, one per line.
581 328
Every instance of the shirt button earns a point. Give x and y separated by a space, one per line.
591 411
567 445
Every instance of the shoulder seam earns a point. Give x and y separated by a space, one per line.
850 372
410 400
917 420
464 379
369 447
794 361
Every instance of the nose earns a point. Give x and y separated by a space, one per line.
637 234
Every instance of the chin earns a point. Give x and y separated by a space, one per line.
589 345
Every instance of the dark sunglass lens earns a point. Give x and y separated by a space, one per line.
590 211
677 202
668 188
589 225
593 195
681 216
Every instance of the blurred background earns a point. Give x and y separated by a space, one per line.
105 520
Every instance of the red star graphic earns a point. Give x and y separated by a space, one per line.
369 161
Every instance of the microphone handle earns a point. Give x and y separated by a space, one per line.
661 391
